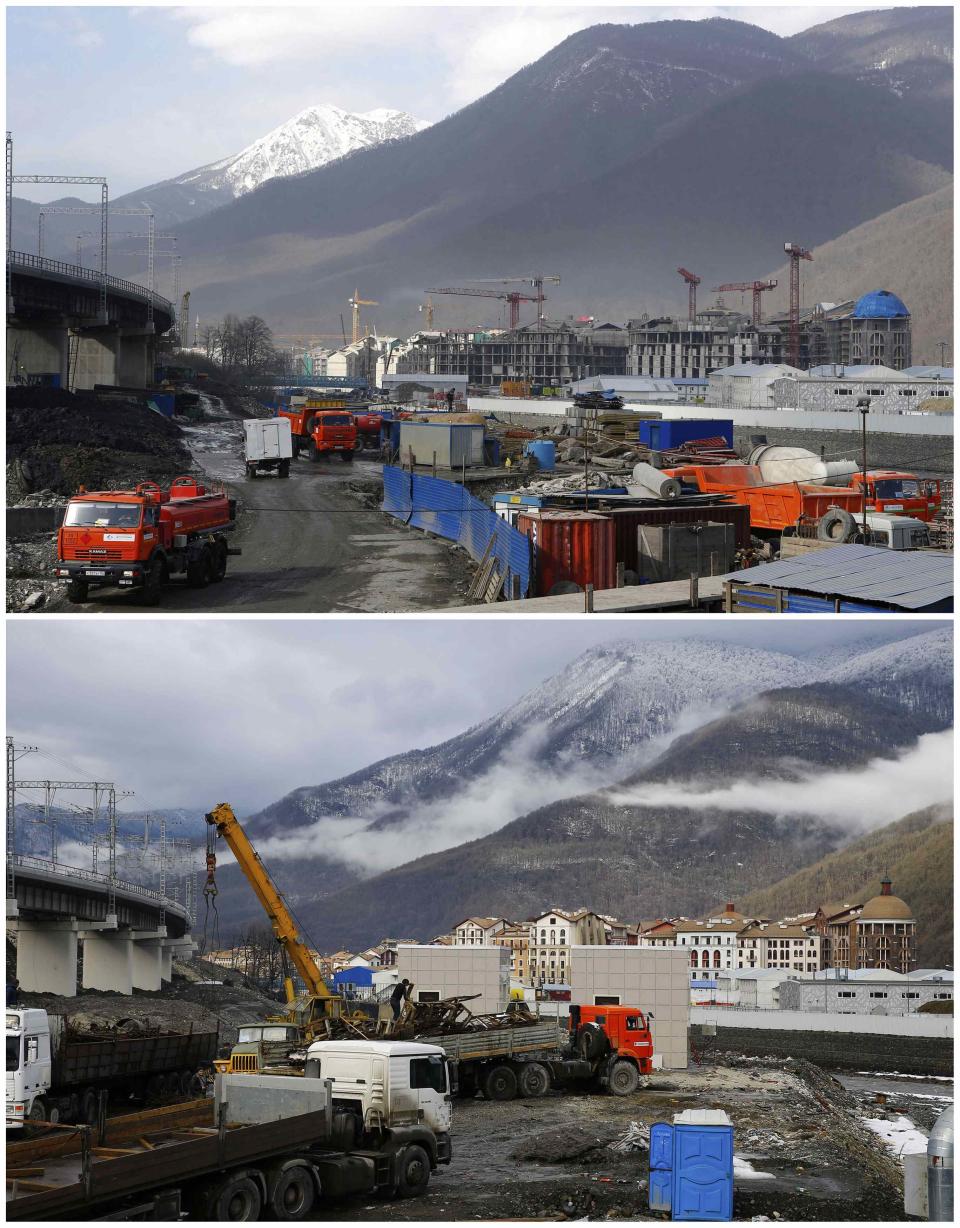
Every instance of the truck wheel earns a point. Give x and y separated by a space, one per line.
315 452
346 456
77 591
219 562
235 1198
251 471
592 1042
152 584
284 470
295 447
624 1079
38 1110
836 525
533 1080
413 1171
199 571
501 1083
293 1193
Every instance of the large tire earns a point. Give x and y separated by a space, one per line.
500 1083
284 469
236 1197
292 1193
413 1171
592 1042
219 562
200 571
296 447
624 1079
149 594
315 453
533 1080
347 456
836 525
38 1110
77 592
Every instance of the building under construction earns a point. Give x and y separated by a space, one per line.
553 352
669 348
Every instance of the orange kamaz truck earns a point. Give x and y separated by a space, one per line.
322 425
138 539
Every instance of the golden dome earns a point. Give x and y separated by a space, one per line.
886 908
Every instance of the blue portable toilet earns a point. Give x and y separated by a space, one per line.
691 1166
544 452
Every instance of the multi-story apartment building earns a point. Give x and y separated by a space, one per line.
516 938
777 944
553 934
712 944
668 348
478 931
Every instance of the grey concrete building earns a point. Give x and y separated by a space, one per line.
843 996
668 348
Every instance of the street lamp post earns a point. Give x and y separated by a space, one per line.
863 404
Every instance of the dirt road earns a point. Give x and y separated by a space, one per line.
308 544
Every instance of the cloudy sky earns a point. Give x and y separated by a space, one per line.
140 94
192 712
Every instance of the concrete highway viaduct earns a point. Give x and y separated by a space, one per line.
60 322
128 934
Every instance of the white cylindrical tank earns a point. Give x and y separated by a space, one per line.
940 1169
781 463
651 482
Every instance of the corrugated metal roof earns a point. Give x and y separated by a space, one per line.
910 579
943 373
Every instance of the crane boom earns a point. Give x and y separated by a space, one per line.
284 927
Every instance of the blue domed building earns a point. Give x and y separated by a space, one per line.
874 331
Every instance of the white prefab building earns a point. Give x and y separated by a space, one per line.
457 972
834 387
750 385
654 979
757 989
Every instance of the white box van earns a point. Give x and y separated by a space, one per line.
267 445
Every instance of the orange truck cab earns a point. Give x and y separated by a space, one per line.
616 1040
889 490
137 539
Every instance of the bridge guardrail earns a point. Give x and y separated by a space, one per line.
76 271
65 871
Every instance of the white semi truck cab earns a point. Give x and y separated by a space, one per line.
28 1063
386 1084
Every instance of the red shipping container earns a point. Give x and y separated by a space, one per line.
627 520
577 546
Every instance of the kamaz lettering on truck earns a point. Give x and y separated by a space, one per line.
138 539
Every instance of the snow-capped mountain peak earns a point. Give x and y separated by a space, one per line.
315 136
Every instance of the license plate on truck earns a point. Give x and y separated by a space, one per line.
91 572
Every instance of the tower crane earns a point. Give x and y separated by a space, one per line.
513 297
758 287
796 254
536 280
311 1011
692 281
426 309
355 304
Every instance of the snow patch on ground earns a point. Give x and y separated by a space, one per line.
901 1137
743 1170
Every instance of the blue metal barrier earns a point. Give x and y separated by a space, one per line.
450 511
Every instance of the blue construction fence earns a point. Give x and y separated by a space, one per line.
449 510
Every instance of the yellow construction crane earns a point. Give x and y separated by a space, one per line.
356 303
426 308
310 1011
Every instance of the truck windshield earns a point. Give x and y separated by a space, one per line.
247 1035
333 420
13 1053
897 488
102 515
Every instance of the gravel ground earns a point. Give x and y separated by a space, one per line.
551 1158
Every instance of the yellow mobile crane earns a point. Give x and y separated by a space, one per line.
310 1012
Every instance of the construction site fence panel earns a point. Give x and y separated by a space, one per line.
450 511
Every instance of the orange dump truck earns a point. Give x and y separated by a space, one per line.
775 506
138 539
319 426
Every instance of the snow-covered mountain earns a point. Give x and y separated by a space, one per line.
916 673
313 138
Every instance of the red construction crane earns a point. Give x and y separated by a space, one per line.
692 281
757 287
796 254
512 297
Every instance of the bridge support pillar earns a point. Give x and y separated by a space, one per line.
135 355
108 961
174 948
97 357
47 957
148 958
